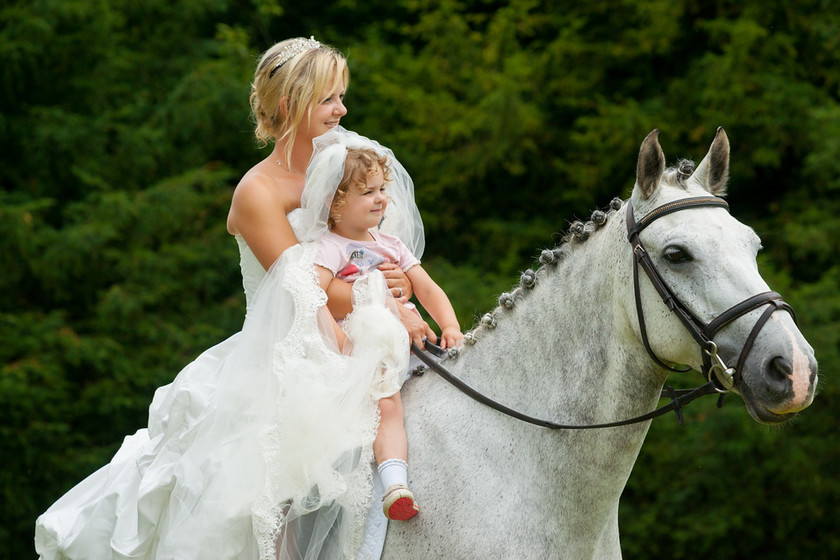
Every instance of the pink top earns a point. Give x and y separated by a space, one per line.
350 260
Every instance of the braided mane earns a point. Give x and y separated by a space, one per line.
577 234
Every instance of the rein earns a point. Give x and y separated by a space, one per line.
720 378
679 398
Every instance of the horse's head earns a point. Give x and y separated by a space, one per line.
706 259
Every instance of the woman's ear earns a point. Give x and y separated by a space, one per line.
284 106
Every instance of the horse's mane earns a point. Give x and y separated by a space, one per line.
579 231
676 176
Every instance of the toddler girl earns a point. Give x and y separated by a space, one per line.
353 247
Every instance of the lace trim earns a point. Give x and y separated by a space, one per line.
353 490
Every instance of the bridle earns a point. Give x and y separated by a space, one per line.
714 369
720 378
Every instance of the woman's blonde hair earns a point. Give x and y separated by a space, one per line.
360 163
298 82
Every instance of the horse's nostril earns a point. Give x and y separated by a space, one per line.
779 375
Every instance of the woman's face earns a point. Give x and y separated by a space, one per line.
328 112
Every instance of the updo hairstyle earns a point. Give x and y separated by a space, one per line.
301 81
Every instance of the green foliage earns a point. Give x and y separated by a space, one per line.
469 290
125 126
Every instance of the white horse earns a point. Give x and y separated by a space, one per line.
567 346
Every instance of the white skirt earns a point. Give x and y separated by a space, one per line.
259 449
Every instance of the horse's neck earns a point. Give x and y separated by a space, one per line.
563 353
567 340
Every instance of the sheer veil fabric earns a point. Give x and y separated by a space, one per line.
402 218
262 447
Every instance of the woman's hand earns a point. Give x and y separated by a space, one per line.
418 329
397 282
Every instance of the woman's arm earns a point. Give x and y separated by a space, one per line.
258 212
434 300
340 302
325 279
340 296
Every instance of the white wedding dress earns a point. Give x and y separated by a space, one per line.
259 449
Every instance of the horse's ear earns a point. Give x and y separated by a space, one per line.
651 165
713 171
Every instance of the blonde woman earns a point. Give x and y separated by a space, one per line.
261 447
294 100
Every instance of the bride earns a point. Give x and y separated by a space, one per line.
261 448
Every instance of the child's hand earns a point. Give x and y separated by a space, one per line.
450 337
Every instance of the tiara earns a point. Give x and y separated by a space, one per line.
293 49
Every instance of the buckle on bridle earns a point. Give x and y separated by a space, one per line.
723 376
639 251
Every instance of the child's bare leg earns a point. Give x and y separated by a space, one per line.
391 451
391 441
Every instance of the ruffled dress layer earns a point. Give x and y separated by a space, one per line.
259 449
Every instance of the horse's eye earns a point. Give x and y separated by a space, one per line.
677 254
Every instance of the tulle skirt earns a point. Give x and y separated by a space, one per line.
259 449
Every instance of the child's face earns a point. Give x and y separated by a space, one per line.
364 206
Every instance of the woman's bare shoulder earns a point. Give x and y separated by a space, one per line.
257 182
262 193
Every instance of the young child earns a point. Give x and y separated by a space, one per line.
351 248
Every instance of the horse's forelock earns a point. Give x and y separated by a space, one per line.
678 176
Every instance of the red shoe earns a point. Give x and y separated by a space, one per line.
398 503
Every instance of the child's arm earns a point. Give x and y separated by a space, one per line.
434 300
325 277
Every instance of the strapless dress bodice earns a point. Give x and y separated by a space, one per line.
251 269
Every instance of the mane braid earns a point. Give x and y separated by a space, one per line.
678 175
577 234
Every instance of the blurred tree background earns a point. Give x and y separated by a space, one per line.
125 126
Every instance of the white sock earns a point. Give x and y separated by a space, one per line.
393 471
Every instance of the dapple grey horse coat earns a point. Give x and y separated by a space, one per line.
566 347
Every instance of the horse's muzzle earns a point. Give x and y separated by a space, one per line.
782 378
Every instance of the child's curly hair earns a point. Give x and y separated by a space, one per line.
360 163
